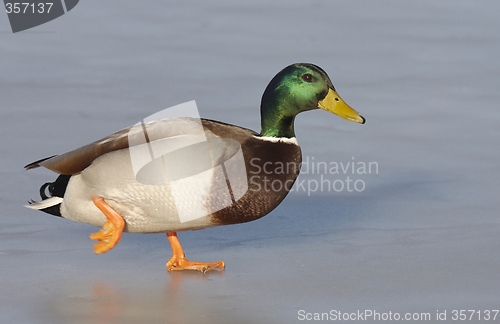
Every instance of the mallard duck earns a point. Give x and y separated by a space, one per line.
98 184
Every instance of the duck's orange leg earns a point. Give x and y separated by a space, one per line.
179 261
111 232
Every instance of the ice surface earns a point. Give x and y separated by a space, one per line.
422 236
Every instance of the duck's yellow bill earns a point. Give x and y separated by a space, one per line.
334 104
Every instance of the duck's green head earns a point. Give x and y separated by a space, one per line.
297 88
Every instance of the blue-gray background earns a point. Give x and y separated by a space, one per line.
423 235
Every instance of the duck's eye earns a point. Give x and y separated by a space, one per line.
307 77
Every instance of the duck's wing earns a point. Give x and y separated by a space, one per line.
77 160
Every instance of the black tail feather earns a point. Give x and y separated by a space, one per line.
57 189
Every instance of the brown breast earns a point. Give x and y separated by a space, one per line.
271 169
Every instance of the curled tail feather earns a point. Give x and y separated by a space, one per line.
51 203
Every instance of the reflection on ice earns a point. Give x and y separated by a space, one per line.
105 302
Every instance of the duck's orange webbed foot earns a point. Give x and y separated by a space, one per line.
111 232
179 261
